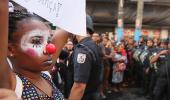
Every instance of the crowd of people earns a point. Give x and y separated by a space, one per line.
87 67
152 59
129 63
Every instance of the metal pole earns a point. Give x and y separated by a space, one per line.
139 18
120 20
120 13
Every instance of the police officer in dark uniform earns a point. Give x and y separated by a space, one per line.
87 67
142 41
145 52
136 55
144 63
162 87
153 68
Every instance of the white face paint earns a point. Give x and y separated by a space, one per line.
33 43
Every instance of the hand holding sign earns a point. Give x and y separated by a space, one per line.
62 13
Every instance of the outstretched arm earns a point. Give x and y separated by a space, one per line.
4 81
156 57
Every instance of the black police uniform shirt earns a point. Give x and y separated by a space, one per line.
137 54
142 55
156 66
147 52
166 68
87 65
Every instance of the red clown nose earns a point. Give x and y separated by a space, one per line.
50 48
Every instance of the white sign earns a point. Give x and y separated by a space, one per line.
69 15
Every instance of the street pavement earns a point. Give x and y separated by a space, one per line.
126 94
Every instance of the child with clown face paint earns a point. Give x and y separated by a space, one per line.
31 47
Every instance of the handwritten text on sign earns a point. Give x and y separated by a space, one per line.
53 6
69 15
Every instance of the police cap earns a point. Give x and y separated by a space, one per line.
89 23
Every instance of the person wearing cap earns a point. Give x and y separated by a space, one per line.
138 49
144 63
163 43
150 70
142 41
87 67
160 61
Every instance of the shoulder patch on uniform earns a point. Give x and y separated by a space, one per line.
81 58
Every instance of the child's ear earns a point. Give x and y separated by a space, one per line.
11 50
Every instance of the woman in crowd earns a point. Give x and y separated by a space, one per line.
30 51
106 61
120 60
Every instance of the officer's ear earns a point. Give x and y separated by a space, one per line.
90 32
75 41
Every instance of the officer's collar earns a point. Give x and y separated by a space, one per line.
84 40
